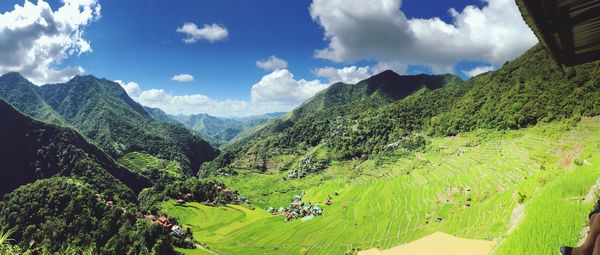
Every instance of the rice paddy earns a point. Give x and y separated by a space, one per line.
468 186
147 164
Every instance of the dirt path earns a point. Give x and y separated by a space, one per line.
438 243
199 246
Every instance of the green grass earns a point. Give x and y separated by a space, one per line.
144 163
392 200
556 216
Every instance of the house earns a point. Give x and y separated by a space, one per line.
150 217
188 196
178 231
180 201
109 203
163 221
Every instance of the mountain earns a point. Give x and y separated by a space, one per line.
220 131
391 111
315 121
103 112
161 115
24 95
378 90
32 150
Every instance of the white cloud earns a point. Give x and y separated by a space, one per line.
378 30
351 74
396 66
34 39
277 91
479 70
184 77
211 33
272 63
132 88
281 87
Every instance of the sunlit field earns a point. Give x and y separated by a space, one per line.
524 189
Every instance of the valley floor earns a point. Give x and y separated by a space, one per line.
526 189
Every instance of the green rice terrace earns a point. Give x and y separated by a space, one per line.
147 164
492 185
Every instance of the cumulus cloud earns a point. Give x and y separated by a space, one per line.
275 92
272 63
378 30
184 77
34 39
281 87
191 104
211 33
351 74
479 70
132 88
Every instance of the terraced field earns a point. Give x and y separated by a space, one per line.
147 164
468 185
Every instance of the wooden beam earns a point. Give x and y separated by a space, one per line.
564 28
536 12
586 15
583 58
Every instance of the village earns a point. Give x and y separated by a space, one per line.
298 209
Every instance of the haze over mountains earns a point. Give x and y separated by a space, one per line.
220 131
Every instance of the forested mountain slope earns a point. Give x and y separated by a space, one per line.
24 95
360 124
103 112
378 90
220 131
32 150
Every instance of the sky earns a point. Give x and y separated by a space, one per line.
240 58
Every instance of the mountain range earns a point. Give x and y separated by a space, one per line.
220 131
103 112
389 110
61 144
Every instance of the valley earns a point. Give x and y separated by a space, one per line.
467 185
300 127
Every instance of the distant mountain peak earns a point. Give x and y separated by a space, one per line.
13 76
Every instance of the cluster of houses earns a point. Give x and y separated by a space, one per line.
185 198
165 223
162 220
298 210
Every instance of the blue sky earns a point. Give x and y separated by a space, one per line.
138 42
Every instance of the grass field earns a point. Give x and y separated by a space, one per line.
144 164
472 182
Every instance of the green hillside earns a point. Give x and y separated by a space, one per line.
63 195
378 90
472 183
24 95
32 150
486 158
101 111
522 93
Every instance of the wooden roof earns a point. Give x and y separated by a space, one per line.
570 29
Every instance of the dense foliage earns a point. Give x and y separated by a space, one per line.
202 190
32 150
60 214
357 121
101 110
